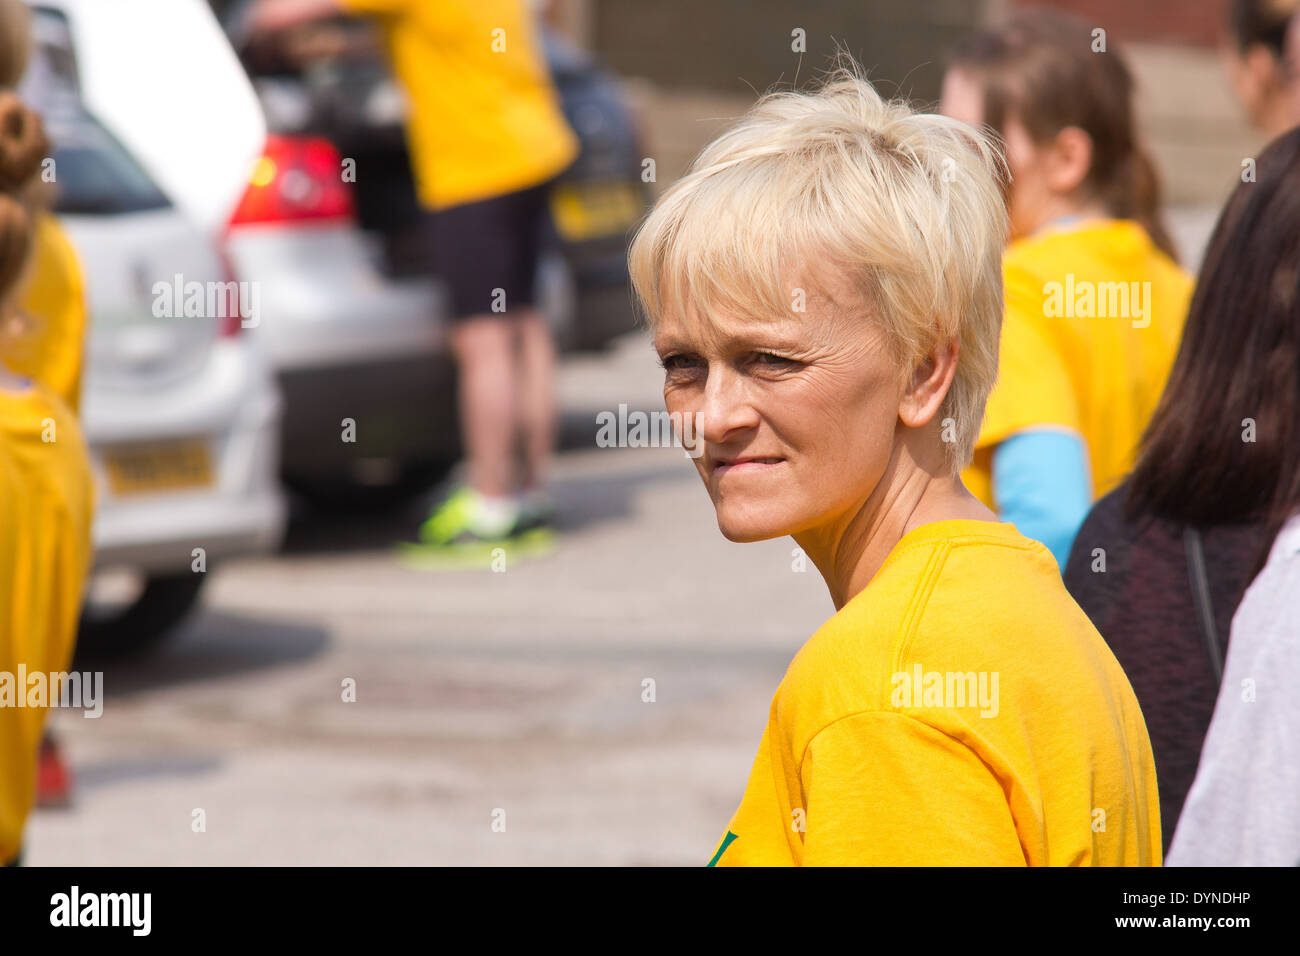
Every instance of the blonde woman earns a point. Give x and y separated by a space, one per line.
824 291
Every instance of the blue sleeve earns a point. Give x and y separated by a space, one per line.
1043 485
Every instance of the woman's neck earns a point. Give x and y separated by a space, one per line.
1062 210
851 549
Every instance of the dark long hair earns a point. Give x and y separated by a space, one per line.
1039 67
1238 367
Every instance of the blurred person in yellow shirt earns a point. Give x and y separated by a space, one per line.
46 491
46 501
47 340
486 137
1095 302
44 336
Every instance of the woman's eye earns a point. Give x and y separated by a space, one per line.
671 363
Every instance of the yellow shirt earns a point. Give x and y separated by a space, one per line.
53 305
484 117
1032 750
46 500
1094 315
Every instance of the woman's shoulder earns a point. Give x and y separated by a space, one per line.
935 635
1095 244
956 592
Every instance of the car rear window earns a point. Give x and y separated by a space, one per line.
94 174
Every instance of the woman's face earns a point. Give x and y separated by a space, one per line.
1031 199
798 417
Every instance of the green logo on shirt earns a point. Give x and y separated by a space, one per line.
726 842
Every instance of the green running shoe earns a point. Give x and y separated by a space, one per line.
453 525
450 520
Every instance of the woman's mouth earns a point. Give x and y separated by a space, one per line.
744 464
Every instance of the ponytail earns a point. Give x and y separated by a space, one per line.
1141 182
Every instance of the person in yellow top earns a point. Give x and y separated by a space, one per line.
937 687
43 338
959 708
48 341
1095 303
486 137
46 488
46 504
44 341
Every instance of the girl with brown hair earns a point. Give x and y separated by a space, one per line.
1094 300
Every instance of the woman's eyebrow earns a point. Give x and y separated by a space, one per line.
763 340
670 344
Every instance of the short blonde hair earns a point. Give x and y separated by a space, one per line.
908 207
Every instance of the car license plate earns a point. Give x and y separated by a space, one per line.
585 211
158 466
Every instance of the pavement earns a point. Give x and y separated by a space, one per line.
499 717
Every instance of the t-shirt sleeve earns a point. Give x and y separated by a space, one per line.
885 789
1033 385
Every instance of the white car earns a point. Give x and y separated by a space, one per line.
178 405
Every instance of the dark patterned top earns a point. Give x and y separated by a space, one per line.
1142 605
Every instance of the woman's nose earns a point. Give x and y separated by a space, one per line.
726 406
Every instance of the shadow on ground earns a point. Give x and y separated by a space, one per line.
212 646
580 501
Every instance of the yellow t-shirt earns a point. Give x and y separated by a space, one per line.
53 306
1094 315
1032 750
46 501
484 116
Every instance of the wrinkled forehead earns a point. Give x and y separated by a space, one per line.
812 305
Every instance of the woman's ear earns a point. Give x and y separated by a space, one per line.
930 382
1069 160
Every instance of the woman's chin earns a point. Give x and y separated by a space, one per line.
743 529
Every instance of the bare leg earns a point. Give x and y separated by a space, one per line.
485 351
536 395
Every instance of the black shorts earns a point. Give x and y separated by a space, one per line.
486 252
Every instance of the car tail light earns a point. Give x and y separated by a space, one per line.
296 179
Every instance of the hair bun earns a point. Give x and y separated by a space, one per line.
22 142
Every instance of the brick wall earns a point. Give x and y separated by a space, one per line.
1182 22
